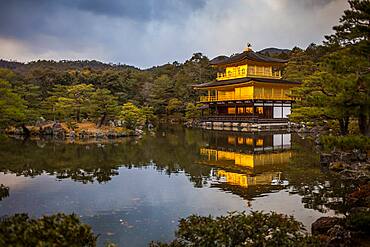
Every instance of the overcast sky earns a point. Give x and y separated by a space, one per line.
145 33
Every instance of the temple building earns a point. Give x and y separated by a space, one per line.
248 89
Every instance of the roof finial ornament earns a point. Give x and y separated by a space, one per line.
248 47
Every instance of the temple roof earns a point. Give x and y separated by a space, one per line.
246 55
243 80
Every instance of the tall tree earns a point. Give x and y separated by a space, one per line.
103 105
72 100
161 91
353 33
332 91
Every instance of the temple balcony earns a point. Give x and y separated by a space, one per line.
263 96
250 71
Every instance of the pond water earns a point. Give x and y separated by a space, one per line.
133 191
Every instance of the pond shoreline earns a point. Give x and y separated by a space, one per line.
82 131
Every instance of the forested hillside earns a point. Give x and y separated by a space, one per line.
91 89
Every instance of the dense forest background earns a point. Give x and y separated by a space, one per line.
335 76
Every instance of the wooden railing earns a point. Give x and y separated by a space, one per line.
237 74
240 118
244 97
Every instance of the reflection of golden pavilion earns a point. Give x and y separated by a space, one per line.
238 167
244 180
247 160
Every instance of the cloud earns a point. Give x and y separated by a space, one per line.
151 32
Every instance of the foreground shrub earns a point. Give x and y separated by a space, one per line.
359 221
345 143
241 229
55 230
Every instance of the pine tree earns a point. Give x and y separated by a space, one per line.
353 33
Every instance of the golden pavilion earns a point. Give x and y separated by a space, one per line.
249 88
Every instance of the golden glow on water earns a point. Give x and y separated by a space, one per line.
245 180
234 178
246 160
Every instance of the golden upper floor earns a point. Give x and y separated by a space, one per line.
247 64
236 72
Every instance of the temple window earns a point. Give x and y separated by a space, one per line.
231 139
251 70
259 70
259 110
249 110
259 142
267 71
231 110
240 140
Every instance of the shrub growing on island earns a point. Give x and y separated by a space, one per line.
345 143
241 229
54 230
132 116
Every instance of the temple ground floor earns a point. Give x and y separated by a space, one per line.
268 110
246 115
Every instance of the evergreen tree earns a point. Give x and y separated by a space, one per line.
353 33
132 116
103 105
332 91
12 107
161 91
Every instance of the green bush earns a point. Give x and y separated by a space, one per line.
359 222
55 230
345 143
241 229
132 116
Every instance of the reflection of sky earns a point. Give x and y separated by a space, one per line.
138 205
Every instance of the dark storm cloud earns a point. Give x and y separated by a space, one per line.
151 32
22 18
142 10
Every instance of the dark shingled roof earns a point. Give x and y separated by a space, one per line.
243 80
246 55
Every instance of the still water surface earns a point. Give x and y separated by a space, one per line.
133 191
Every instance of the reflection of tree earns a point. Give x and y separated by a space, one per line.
320 189
84 163
4 191
91 162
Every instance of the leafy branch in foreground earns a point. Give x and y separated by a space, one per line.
241 229
54 230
